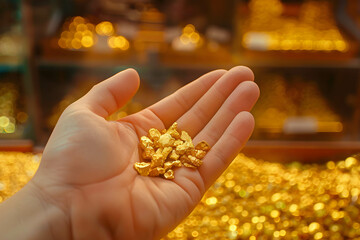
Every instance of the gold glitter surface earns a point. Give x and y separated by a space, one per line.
16 169
256 199
253 199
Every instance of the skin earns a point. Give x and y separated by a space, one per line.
86 186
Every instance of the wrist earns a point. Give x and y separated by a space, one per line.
30 214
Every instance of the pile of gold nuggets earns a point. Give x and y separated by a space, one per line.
161 151
253 199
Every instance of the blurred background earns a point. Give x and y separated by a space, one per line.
299 175
304 53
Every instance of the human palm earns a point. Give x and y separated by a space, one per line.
87 167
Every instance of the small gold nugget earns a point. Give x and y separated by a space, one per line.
166 149
143 168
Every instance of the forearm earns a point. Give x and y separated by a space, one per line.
26 216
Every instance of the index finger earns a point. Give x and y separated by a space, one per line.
171 108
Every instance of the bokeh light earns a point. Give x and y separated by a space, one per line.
77 34
105 28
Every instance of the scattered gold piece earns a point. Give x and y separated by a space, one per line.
142 168
188 165
166 140
148 152
174 156
194 161
169 174
145 142
154 172
200 154
154 134
157 159
202 146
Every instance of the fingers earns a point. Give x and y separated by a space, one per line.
171 108
226 148
196 118
241 99
111 94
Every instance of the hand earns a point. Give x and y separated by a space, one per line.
87 166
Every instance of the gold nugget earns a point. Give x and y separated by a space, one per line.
154 134
202 146
167 149
169 174
143 168
154 172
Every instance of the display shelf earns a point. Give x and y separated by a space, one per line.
10 68
277 62
11 64
85 63
302 151
74 62
18 145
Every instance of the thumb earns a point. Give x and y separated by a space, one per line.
111 94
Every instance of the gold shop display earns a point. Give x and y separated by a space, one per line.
313 30
281 101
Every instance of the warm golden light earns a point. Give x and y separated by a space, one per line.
318 235
81 27
319 206
232 227
87 41
188 29
211 201
105 28
189 40
79 34
66 34
330 126
118 42
313 227
76 43
78 20
350 161
274 213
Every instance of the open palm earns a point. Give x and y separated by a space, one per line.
87 166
